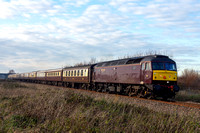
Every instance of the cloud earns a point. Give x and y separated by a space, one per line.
177 13
14 8
59 33
76 3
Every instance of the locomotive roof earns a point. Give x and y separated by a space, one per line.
134 60
157 58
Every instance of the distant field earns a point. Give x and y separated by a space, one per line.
40 108
188 95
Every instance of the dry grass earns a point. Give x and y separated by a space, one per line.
188 95
39 108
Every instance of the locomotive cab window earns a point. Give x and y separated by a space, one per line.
143 66
170 66
147 66
164 66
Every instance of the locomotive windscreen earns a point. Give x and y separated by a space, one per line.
163 66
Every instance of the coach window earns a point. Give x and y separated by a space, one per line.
86 72
78 73
72 73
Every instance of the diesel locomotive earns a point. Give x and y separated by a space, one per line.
147 76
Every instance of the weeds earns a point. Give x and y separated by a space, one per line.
23 121
49 110
188 95
12 85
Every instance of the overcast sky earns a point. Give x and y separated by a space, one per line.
44 34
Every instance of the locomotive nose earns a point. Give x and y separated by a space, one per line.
163 75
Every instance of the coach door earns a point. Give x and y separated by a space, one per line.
146 73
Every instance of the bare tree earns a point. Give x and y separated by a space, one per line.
11 71
190 79
92 60
146 53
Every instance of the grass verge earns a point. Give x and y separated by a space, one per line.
188 95
60 110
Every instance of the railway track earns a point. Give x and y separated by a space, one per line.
175 103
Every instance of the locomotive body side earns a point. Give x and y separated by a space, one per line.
121 74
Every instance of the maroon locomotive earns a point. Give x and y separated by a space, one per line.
147 76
